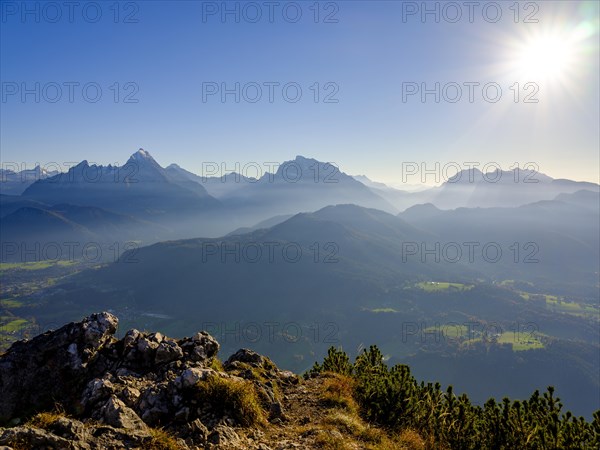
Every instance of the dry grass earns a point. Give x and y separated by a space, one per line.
369 437
216 364
236 398
19 445
161 440
328 439
411 440
45 420
353 425
338 392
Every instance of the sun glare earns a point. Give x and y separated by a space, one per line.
547 57
561 52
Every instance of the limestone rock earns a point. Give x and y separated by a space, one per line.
52 365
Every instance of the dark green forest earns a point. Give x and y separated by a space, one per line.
392 398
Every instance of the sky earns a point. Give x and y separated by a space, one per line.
113 77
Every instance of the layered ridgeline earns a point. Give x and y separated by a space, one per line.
140 189
351 275
14 181
45 225
79 387
165 203
299 185
143 202
310 255
472 188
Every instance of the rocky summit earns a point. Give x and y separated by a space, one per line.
79 387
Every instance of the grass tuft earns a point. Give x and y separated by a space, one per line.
216 364
161 440
411 440
236 398
338 392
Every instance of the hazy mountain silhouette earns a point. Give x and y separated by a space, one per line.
562 236
186 179
268 223
15 182
369 246
302 184
64 225
348 265
10 203
226 184
140 188
179 205
472 188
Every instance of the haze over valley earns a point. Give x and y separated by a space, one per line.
231 225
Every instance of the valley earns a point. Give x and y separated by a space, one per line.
291 285
368 258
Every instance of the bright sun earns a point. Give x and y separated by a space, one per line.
559 55
544 58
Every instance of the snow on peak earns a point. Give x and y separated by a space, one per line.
143 153
142 156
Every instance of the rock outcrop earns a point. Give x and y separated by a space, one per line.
116 393
52 367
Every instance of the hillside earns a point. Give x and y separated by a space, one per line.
81 388
77 223
152 392
339 276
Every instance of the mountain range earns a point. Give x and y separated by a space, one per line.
15 182
309 244
180 204
361 274
553 244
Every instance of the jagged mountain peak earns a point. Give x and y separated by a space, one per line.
308 168
142 153
142 156
300 158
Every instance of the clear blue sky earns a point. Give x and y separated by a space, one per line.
368 54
